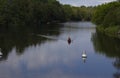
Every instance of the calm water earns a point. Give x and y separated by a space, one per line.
45 53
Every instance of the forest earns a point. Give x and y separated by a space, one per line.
15 14
30 13
107 18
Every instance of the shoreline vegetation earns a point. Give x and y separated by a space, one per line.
30 13
112 31
107 19
17 14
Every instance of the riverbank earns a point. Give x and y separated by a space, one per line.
112 31
106 17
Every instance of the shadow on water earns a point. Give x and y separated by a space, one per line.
109 47
22 38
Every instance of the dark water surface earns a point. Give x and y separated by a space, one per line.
45 53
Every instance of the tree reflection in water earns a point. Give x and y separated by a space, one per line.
117 65
108 46
23 37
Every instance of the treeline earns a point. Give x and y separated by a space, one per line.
107 17
82 13
17 13
29 12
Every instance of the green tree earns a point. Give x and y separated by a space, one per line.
19 13
103 13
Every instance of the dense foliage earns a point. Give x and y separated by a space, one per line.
78 13
17 13
107 17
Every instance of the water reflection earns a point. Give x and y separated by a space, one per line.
117 66
24 38
45 53
84 59
108 46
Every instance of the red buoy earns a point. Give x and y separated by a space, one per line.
69 40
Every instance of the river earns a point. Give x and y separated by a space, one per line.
46 53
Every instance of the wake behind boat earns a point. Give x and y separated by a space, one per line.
49 37
69 40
